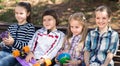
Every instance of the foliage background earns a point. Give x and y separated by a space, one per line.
64 8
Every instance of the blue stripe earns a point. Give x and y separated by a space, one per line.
21 33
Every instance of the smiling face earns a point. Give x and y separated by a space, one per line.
49 22
21 14
75 27
102 19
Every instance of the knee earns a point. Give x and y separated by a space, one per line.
6 61
3 63
18 64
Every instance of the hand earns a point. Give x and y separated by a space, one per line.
103 65
73 62
29 57
87 65
41 61
57 61
8 41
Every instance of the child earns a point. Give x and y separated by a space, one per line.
46 41
102 43
74 41
20 34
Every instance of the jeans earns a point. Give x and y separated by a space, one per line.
6 59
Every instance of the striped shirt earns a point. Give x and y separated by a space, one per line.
99 45
46 45
21 34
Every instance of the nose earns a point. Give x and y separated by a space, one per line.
101 20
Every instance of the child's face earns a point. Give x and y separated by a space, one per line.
49 22
21 14
102 19
75 27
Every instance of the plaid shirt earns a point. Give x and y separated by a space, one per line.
74 41
75 55
99 45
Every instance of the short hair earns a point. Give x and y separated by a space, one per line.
51 12
104 8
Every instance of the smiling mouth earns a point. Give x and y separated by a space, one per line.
101 24
47 25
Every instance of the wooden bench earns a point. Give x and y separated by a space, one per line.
116 57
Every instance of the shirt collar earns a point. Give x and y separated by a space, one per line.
109 29
76 36
51 31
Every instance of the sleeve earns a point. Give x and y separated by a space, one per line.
81 55
21 43
53 52
87 42
32 43
114 43
2 44
9 28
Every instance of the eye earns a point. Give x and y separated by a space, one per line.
97 18
21 13
76 27
49 19
16 12
44 20
71 26
104 17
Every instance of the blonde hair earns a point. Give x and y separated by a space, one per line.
80 17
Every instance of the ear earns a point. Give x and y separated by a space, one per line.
109 20
28 13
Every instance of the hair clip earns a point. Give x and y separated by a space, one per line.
84 18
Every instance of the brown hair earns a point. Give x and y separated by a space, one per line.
104 8
52 13
27 6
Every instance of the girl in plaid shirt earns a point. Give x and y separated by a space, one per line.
101 43
74 41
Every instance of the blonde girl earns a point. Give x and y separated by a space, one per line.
74 41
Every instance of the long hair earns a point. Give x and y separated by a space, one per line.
27 6
80 17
